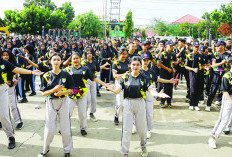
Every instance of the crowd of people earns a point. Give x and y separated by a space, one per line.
73 71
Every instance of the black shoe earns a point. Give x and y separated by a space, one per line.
32 94
92 117
98 94
116 122
169 105
11 144
0 125
42 154
19 126
83 133
162 105
23 100
66 154
226 132
27 90
59 132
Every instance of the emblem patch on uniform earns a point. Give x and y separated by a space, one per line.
142 83
83 72
119 67
63 80
71 72
49 81
128 83
2 66
150 75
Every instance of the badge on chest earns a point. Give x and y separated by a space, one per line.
2 67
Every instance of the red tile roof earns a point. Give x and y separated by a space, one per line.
189 18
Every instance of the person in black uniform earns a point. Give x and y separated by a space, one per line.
219 65
119 68
56 85
166 63
181 55
134 86
5 120
194 63
131 52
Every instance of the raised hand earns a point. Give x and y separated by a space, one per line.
37 72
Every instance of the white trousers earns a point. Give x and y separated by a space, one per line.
5 118
57 109
82 110
13 105
149 111
133 109
224 117
119 99
91 95
229 124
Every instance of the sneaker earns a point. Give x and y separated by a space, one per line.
42 154
133 129
116 122
212 143
169 105
207 108
202 102
11 144
66 154
162 105
148 134
144 152
32 94
19 126
92 117
83 133
226 132
98 94
23 100
0 125
191 108
197 108
187 100
217 103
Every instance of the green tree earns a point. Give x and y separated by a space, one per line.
69 11
89 24
128 24
184 27
144 34
41 3
31 19
2 23
159 27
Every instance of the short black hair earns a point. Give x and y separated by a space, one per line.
136 58
55 54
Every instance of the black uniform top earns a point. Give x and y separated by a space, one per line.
195 61
220 57
120 67
148 53
151 75
226 84
135 87
182 56
130 56
80 77
50 80
5 67
94 66
167 58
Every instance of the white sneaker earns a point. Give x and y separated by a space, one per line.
212 143
202 102
191 108
133 129
148 134
207 108
197 108
144 152
217 103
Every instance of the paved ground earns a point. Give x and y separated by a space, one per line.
178 132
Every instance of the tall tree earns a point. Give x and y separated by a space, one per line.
89 24
31 19
2 22
69 11
128 24
159 27
41 3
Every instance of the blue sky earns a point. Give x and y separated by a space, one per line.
143 10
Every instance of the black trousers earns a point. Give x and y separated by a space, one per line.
185 72
167 87
208 81
196 86
216 81
105 75
23 79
